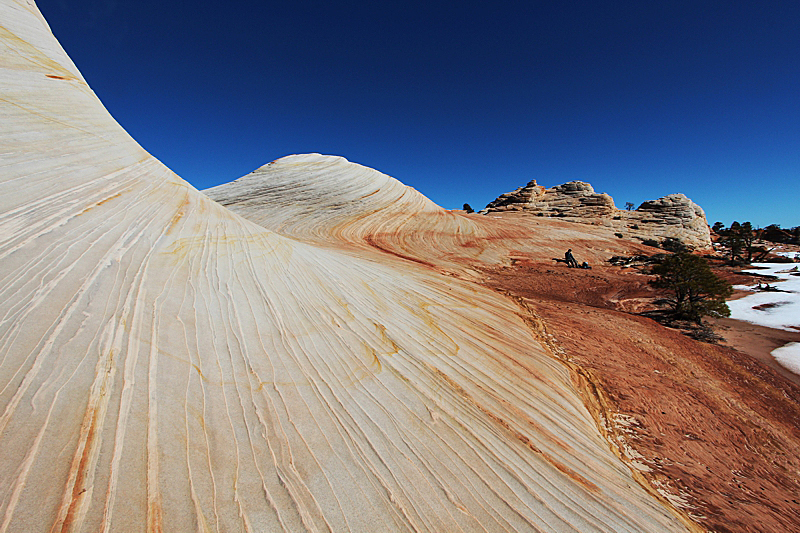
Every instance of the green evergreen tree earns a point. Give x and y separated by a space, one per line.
697 291
774 233
748 237
733 241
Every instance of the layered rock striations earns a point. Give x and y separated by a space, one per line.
167 365
330 201
320 198
640 381
674 216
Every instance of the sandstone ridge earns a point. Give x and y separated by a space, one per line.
168 365
332 202
672 216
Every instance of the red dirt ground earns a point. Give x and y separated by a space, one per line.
715 428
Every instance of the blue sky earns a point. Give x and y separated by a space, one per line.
463 100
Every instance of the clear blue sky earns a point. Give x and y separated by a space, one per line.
464 100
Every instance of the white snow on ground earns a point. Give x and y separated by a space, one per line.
774 309
793 255
788 356
784 306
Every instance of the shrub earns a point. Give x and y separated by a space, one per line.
671 244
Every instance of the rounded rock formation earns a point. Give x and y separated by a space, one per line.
674 216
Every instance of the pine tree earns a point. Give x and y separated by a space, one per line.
748 237
697 291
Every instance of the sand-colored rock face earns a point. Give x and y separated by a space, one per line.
167 365
330 201
673 216
574 199
319 198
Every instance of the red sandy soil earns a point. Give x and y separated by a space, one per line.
757 341
716 427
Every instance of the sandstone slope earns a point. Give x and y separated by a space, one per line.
166 365
710 429
330 201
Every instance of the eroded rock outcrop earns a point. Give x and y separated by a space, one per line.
674 216
674 209
575 198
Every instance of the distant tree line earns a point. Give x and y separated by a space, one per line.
740 240
772 233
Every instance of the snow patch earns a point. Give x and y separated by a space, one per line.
788 355
779 309
792 255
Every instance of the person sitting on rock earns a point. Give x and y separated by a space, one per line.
570 259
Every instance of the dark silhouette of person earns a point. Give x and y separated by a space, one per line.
570 259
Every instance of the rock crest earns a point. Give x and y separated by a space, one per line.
672 216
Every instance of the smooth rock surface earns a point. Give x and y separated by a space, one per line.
331 202
167 365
